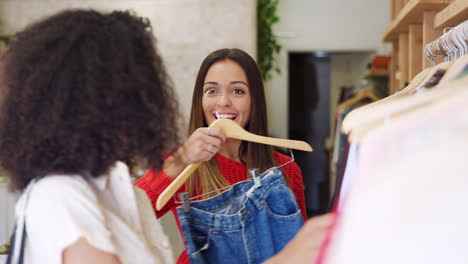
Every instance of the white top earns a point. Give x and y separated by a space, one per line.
349 174
108 211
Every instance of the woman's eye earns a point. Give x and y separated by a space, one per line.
238 91
210 91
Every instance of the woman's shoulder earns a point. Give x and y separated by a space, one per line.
281 158
292 169
58 184
59 209
58 193
75 184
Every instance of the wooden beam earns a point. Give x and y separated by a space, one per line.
394 68
392 10
391 75
403 59
452 15
412 13
398 6
415 50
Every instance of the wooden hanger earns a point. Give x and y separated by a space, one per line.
231 130
441 66
455 68
360 113
420 79
378 110
398 108
361 95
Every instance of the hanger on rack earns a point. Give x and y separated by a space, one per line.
458 45
231 130
372 112
361 112
360 95
369 113
453 45
413 102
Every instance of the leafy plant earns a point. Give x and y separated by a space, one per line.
6 40
4 249
267 44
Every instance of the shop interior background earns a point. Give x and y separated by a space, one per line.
332 42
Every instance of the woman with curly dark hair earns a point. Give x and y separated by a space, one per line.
83 95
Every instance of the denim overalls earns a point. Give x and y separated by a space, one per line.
249 223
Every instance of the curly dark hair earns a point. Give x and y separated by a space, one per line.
82 90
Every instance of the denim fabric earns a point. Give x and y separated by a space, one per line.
246 224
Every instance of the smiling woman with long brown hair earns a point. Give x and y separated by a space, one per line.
228 85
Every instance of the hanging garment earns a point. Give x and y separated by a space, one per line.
433 81
349 173
341 151
408 203
247 224
339 177
340 140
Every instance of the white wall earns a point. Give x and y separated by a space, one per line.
333 24
186 30
312 25
7 205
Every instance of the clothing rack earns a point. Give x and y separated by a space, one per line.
451 45
414 24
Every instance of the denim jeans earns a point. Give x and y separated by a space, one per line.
246 224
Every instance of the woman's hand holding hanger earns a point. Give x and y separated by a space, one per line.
202 145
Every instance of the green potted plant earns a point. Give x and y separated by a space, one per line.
267 44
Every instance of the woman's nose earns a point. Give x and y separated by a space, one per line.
223 100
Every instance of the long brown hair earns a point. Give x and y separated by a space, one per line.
208 177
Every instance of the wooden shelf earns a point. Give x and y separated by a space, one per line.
452 15
412 13
379 73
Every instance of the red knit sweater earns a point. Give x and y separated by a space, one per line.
154 183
